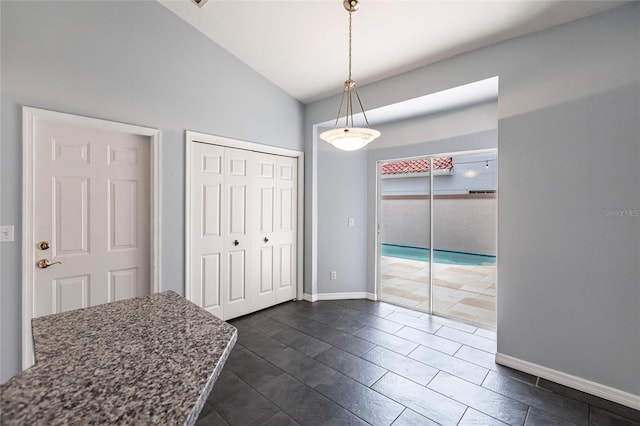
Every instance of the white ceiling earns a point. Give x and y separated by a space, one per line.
302 45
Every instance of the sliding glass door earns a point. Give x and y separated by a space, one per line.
404 255
448 204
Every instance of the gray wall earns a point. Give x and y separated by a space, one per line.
569 151
133 62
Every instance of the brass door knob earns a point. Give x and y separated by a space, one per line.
45 263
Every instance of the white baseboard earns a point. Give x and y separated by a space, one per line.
584 385
339 296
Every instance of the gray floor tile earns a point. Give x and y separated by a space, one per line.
488 334
251 368
426 324
401 309
600 417
301 342
334 337
380 324
401 365
238 403
345 418
261 323
569 409
280 419
258 342
457 367
476 418
487 360
299 401
491 403
365 403
420 399
411 418
338 321
372 308
302 367
610 406
386 340
211 419
537 417
352 366
453 323
430 340
467 339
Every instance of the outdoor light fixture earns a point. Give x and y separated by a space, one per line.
349 138
486 165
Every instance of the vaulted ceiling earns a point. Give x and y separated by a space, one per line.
302 45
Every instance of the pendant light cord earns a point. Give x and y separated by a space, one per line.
349 85
350 45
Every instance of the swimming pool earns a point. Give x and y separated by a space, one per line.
439 256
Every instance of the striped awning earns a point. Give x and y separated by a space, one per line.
416 166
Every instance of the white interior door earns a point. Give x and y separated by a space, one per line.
264 237
286 225
237 273
92 210
207 219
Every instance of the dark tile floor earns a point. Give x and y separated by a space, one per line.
357 362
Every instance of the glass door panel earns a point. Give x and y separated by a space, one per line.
404 233
464 239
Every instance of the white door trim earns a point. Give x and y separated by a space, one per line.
191 137
29 117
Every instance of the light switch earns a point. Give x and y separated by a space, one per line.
6 233
352 221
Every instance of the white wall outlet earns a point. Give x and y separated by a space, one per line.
352 221
6 233
334 275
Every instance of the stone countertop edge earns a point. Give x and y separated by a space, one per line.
74 357
193 417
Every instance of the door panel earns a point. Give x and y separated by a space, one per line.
207 216
70 293
263 239
286 214
237 274
92 206
211 281
71 216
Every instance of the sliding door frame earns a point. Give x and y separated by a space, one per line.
378 227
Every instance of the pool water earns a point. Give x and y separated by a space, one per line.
439 256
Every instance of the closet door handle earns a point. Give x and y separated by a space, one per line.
266 240
235 243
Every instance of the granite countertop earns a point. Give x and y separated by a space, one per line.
148 360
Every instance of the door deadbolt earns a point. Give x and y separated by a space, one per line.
44 245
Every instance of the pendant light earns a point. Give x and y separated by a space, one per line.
349 138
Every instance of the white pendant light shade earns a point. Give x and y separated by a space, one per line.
350 138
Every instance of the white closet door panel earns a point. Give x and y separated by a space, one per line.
286 226
264 236
238 273
207 217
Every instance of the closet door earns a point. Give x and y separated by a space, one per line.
264 238
237 254
285 228
207 219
